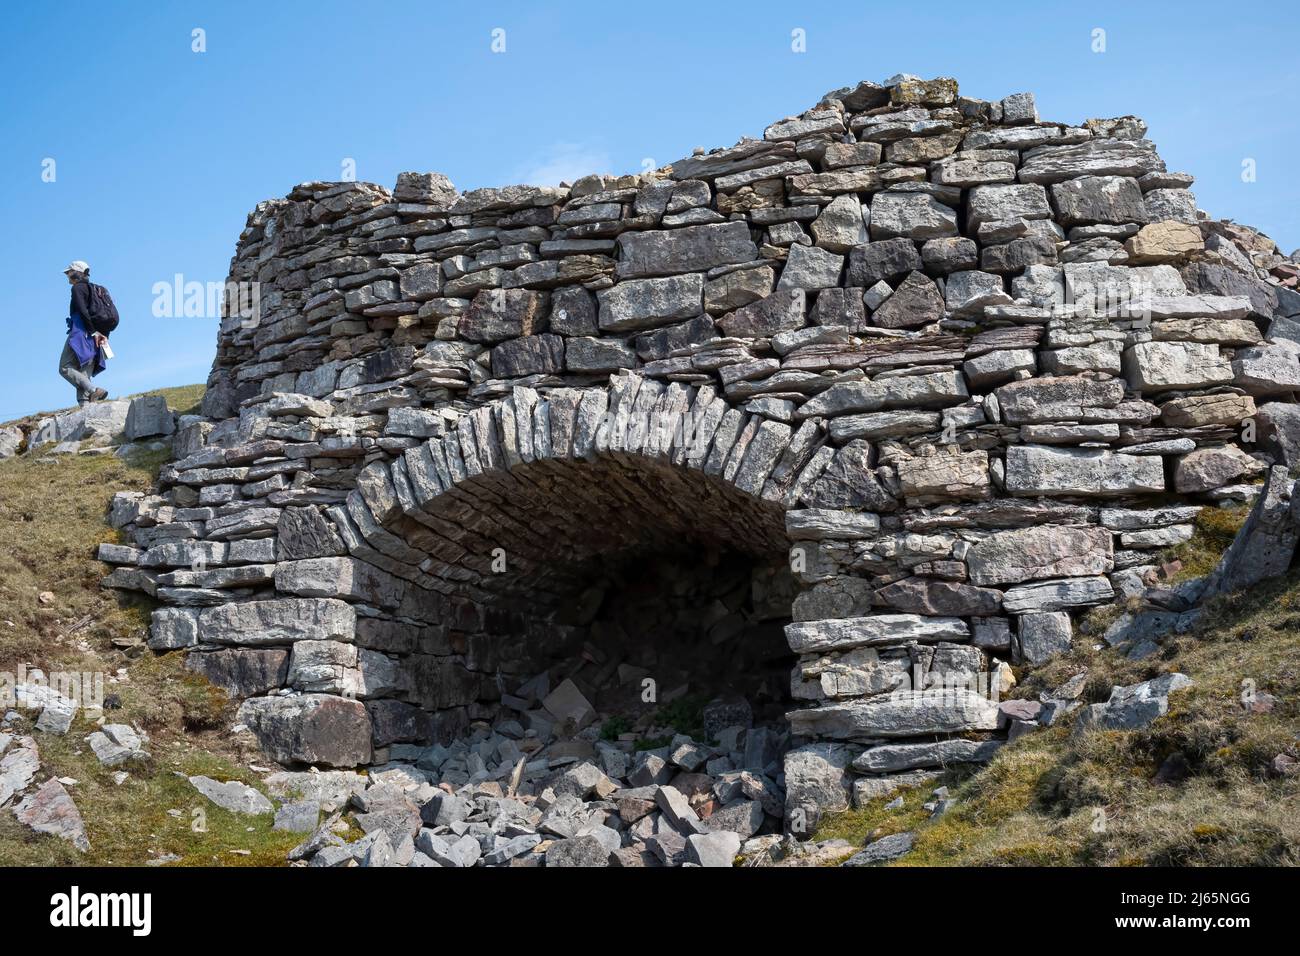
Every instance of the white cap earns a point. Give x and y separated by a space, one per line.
77 265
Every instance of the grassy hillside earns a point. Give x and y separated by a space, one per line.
51 520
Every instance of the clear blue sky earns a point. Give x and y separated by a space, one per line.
161 152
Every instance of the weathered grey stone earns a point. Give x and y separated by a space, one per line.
1208 468
303 532
173 627
1070 398
1056 595
242 671
1041 636
589 355
573 311
577 851
1267 369
343 577
817 782
18 766
396 721
891 758
1265 545
1193 411
1099 199
836 598
93 421
883 850
875 425
842 224
1135 706
1158 366
311 728
924 596
638 304
499 314
115 744
528 355
1019 254
947 256
914 216
279 621
901 714
994 368
11 439
847 481
49 809
961 477
1279 432
690 249
1097 157
148 416
968 292
57 714
323 666
739 287
782 311
915 302
811 268
718 848
1049 551
999 203
886 260
233 796
1043 470
877 630
300 816
1123 519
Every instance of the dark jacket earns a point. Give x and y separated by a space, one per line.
80 304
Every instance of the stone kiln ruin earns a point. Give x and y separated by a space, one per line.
959 374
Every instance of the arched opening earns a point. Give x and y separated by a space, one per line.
653 590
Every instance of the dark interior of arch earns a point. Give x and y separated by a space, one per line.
620 570
557 522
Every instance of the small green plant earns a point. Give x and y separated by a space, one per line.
615 727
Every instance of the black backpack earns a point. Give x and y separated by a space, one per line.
103 313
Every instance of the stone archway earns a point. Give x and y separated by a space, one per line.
907 348
539 485
466 551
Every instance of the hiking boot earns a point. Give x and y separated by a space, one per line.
99 394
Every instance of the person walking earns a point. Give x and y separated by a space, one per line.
83 355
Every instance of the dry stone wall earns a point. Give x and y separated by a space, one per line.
972 370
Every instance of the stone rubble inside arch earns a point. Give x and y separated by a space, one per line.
977 369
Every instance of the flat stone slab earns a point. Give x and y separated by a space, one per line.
1087 472
50 809
883 850
881 629
901 714
18 767
1057 595
233 796
1049 551
116 744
